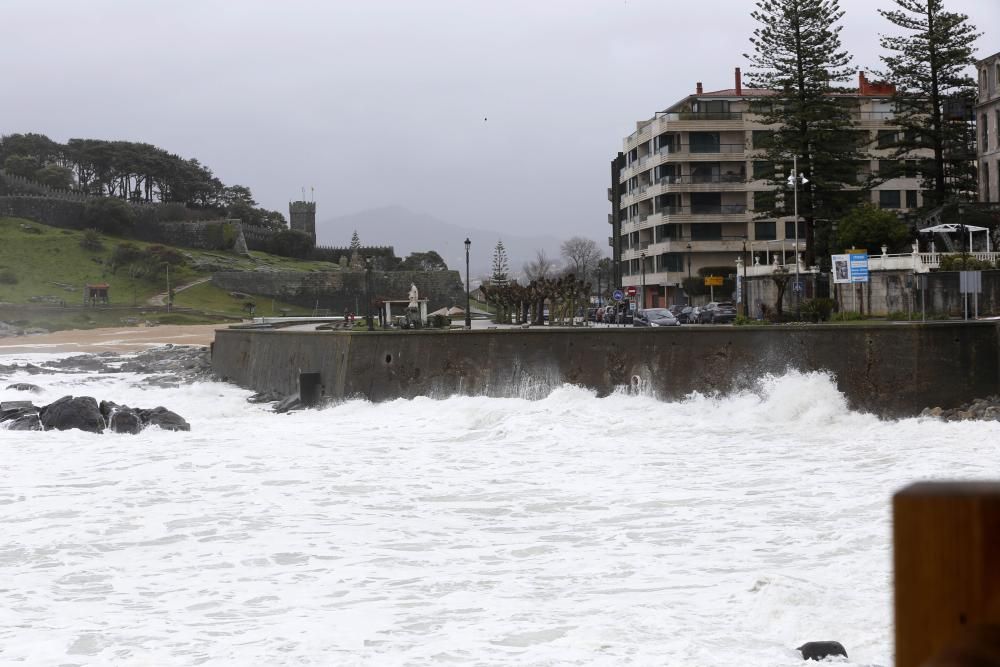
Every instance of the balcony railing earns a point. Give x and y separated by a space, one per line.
686 179
874 115
704 209
706 148
695 115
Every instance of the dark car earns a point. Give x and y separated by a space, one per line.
718 312
655 317
682 313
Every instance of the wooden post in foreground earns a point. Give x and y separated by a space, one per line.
946 552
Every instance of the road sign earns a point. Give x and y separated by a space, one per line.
631 290
970 282
617 295
713 281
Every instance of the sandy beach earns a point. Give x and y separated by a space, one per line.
112 339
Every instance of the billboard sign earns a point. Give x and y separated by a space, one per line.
850 268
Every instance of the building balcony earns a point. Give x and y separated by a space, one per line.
689 121
687 183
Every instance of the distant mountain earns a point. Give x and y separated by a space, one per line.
408 231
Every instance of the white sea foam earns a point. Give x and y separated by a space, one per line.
566 530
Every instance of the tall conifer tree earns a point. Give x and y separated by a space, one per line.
501 267
798 56
929 65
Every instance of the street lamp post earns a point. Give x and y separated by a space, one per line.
368 294
642 266
745 291
468 314
794 181
686 295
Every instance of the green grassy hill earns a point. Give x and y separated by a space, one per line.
43 271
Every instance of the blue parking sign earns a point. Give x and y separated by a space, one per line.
617 295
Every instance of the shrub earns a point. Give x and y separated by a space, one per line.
109 215
848 316
440 321
291 243
91 240
817 310
964 262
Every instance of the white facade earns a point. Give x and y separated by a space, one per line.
691 176
988 128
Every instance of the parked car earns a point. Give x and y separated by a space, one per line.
718 312
682 313
693 315
655 317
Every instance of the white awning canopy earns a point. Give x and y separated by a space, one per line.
951 227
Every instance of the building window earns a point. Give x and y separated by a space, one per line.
711 231
985 132
667 233
706 203
888 199
911 199
704 142
986 181
763 170
996 131
790 229
765 230
888 168
763 138
670 261
886 138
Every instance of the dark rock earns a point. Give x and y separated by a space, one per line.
11 410
266 397
165 419
821 650
121 418
84 363
29 422
288 404
71 412
25 386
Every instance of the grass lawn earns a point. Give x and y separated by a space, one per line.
211 299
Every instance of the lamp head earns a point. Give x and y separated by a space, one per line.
467 243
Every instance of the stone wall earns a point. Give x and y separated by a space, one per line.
63 213
889 292
889 370
337 291
204 235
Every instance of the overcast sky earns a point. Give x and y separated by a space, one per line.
378 102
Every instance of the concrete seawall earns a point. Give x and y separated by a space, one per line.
889 370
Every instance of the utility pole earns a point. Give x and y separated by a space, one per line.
794 181
168 288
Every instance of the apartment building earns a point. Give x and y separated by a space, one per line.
683 188
988 128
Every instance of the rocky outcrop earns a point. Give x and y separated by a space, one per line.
25 386
821 650
981 409
73 412
168 365
121 418
165 419
86 414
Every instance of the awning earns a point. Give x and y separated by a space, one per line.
952 227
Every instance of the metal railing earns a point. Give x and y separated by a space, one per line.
699 115
704 209
687 179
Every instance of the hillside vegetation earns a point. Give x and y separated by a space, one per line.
46 266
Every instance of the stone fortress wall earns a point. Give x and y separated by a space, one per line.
337 291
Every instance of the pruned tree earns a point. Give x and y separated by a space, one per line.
581 255
798 56
539 268
780 277
934 93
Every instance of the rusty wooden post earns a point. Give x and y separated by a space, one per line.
946 538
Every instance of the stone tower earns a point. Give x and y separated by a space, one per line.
302 217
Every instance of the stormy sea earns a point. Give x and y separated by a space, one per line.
567 530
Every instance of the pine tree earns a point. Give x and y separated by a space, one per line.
501 268
929 67
355 241
798 56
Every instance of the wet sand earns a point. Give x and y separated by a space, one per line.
113 339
